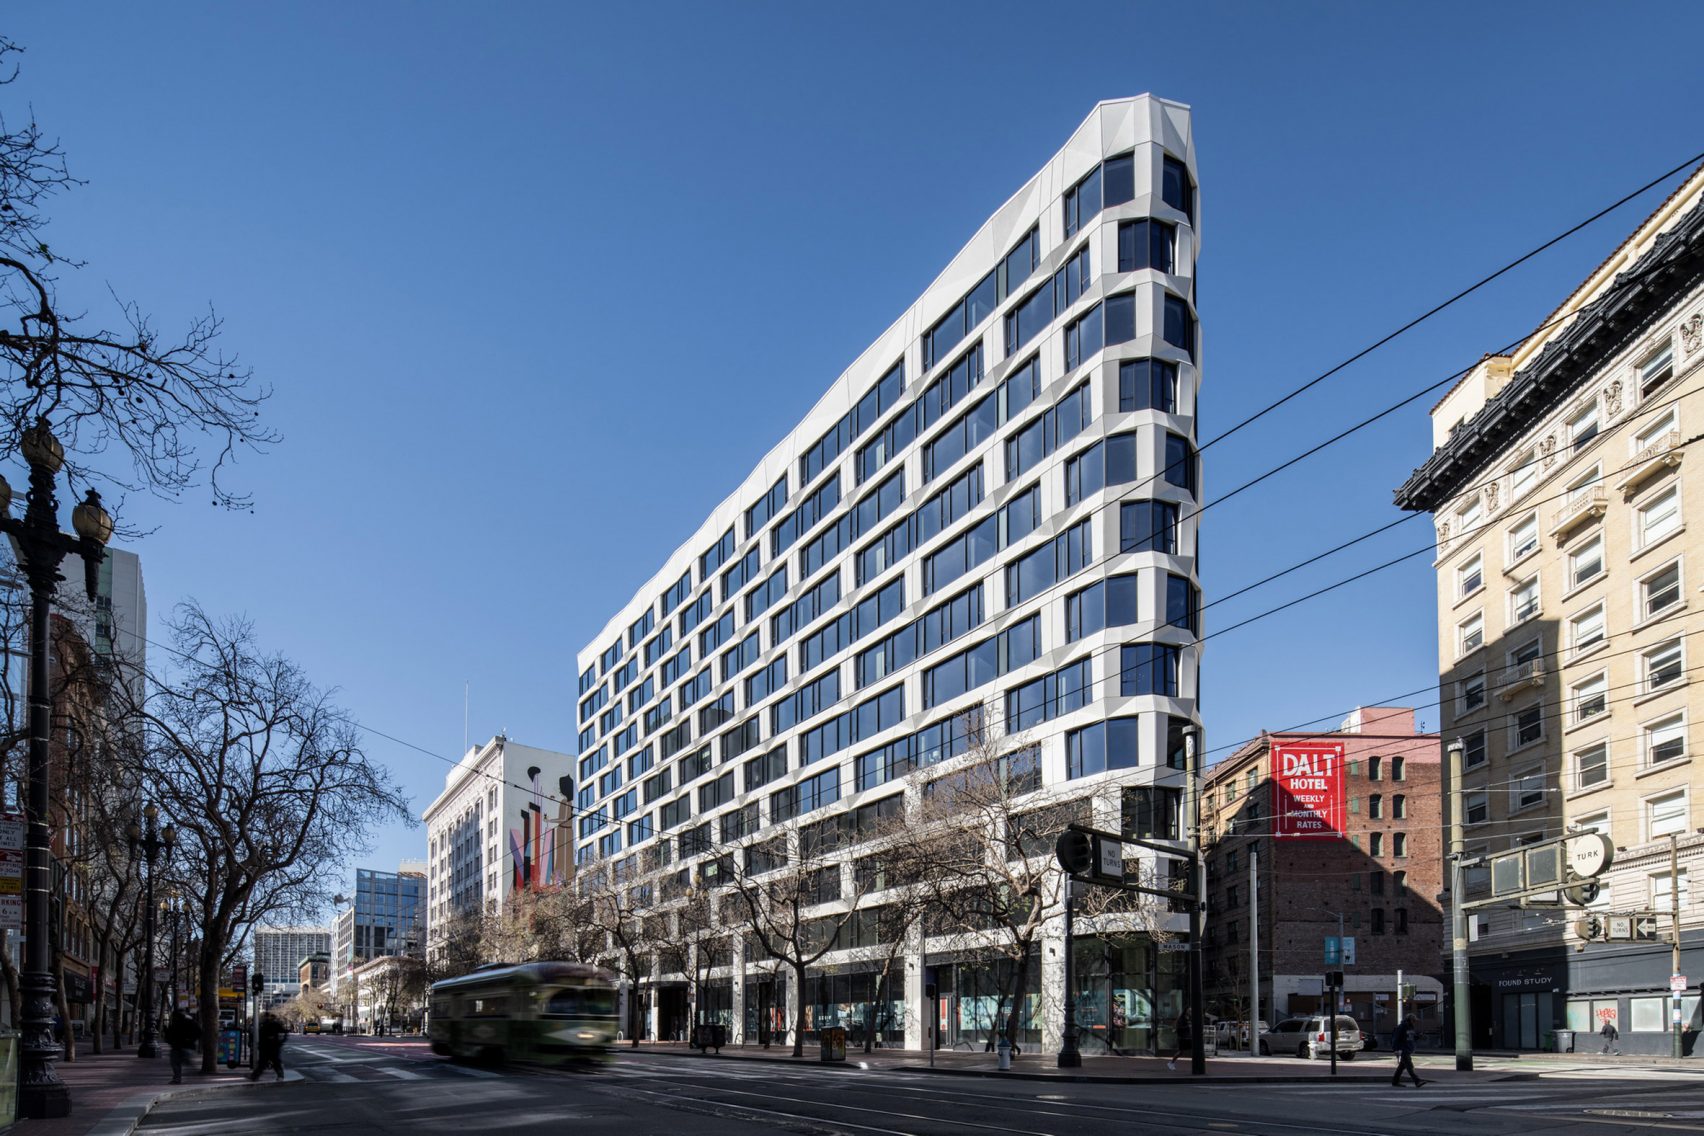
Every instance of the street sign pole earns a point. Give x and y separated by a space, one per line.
1460 998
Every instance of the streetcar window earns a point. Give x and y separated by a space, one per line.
564 1003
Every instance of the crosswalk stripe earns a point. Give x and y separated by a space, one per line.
404 1074
466 1071
336 1077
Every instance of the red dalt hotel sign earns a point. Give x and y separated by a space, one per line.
1309 781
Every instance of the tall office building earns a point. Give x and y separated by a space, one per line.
989 508
278 955
385 916
1559 482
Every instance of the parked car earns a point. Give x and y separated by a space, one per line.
1312 1037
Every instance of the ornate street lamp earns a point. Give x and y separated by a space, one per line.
153 844
41 547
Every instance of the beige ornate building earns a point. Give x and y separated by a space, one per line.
1563 482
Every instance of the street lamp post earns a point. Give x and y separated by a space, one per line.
154 844
41 547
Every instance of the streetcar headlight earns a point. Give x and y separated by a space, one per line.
587 1035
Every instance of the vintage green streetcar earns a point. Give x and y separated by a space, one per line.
539 1012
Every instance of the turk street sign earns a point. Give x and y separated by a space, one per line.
1589 854
1309 779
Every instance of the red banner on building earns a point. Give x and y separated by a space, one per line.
1308 777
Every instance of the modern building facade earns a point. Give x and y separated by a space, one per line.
992 506
501 823
1378 866
1561 482
386 916
278 954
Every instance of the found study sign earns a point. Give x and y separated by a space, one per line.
1308 777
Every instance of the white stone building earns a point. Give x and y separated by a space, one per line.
495 827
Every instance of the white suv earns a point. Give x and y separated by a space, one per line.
1312 1037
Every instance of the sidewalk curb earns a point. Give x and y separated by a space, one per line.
850 1065
1209 1079
123 1119
777 1059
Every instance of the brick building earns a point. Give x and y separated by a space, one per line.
1381 872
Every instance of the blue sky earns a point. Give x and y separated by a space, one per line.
537 284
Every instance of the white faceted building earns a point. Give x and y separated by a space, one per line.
990 507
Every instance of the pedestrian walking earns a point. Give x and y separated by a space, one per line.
1402 1040
1610 1036
271 1052
182 1035
1185 1038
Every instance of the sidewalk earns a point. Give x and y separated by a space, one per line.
1237 1069
111 1092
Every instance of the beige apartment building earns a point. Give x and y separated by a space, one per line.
1570 518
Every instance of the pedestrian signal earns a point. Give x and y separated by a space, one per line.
1076 852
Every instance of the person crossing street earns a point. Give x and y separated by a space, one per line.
1402 1040
270 1054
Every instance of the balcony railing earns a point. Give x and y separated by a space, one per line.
1663 453
1581 506
1519 677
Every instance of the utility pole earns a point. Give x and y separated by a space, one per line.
1198 885
1459 987
1253 951
1674 934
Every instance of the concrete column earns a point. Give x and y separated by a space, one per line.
1052 986
916 1014
736 1030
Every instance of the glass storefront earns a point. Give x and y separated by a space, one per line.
1129 994
857 1003
973 999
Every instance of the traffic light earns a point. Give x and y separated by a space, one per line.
1590 928
1582 893
258 982
1076 852
1334 980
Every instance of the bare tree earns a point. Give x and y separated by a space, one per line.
982 841
311 1005
265 779
616 913
457 945
797 898
116 387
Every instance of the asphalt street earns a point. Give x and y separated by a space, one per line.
338 1085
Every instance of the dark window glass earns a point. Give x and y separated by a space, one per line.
1112 744
1106 603
1183 604
1146 244
1179 327
1176 189
1148 526
1180 463
1150 668
1147 384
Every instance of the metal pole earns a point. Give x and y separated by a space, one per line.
41 1094
1253 951
1336 995
1399 995
1192 805
1069 1056
1674 933
147 1046
1460 988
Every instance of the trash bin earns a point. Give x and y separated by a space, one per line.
1564 1041
710 1035
1005 1052
833 1043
